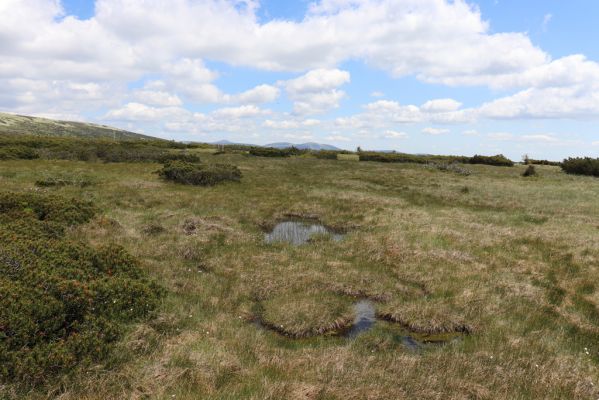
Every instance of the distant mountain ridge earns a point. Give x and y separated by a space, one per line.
26 125
283 145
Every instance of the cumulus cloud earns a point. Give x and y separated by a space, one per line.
441 105
435 131
316 91
390 134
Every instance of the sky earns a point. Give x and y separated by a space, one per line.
417 76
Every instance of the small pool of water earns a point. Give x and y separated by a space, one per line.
365 317
298 232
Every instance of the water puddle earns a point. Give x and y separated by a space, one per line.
298 232
365 317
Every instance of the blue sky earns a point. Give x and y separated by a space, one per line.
422 76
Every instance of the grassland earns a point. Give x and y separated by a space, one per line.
514 259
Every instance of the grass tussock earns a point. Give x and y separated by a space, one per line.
307 314
424 316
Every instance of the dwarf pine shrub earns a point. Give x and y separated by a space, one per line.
581 166
530 171
62 302
199 174
499 160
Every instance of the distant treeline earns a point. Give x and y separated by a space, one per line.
498 160
88 149
32 147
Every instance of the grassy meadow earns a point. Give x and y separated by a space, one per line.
505 266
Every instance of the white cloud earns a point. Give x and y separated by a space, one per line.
247 111
316 91
441 105
470 132
280 124
259 94
142 112
540 138
435 131
338 138
157 98
390 134
500 136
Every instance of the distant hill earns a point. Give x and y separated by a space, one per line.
303 146
21 125
229 143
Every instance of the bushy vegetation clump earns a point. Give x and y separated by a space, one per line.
581 166
326 154
499 160
529 171
199 174
57 148
62 302
544 162
273 152
18 153
409 158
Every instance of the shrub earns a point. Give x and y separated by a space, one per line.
544 162
581 166
326 154
18 152
530 171
199 174
408 158
273 152
62 303
499 160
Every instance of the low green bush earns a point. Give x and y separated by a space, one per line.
544 162
18 153
530 171
62 302
326 154
273 152
199 174
408 158
499 160
581 166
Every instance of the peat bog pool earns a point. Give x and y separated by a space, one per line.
297 232
365 318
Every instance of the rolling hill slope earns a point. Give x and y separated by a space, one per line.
20 124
